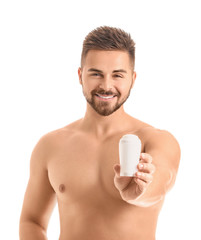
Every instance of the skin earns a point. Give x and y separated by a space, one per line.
78 165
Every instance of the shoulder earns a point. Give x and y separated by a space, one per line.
157 138
49 143
161 144
42 149
54 136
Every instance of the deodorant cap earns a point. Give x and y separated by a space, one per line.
129 137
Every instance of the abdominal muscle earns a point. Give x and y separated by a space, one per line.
108 220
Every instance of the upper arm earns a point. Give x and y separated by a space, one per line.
40 198
165 152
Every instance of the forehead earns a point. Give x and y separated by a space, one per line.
107 60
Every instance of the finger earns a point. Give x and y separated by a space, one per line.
141 184
146 177
145 157
146 167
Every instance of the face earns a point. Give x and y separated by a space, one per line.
106 79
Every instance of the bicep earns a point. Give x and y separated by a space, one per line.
40 198
165 151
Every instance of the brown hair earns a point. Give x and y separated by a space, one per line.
109 38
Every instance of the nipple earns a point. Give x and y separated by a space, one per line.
61 187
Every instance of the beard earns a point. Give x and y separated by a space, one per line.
105 108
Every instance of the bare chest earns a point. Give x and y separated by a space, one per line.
83 169
81 173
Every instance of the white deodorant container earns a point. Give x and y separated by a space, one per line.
129 154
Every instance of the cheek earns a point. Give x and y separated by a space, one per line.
88 86
92 83
123 87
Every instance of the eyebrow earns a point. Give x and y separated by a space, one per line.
99 71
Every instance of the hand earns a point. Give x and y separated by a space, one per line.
131 188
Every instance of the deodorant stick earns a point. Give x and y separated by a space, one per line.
129 154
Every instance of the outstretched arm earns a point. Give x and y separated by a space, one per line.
159 164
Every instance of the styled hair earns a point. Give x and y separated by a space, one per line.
109 39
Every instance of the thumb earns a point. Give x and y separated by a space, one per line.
116 169
120 182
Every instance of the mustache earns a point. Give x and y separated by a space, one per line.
103 92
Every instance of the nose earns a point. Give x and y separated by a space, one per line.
106 83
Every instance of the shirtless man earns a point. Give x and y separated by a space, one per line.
78 165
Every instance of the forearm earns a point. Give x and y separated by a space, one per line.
156 191
146 200
31 231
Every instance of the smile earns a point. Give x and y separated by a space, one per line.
105 97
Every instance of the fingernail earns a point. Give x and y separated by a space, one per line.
141 166
143 155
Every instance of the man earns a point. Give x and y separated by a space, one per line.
78 165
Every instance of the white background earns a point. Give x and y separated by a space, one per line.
40 47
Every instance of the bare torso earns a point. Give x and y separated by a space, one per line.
81 173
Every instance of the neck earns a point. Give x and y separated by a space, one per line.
104 125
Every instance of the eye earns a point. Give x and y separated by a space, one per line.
118 76
96 74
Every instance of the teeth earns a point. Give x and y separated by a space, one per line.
105 97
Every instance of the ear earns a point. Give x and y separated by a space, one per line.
133 78
80 75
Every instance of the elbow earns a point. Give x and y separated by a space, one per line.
29 228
